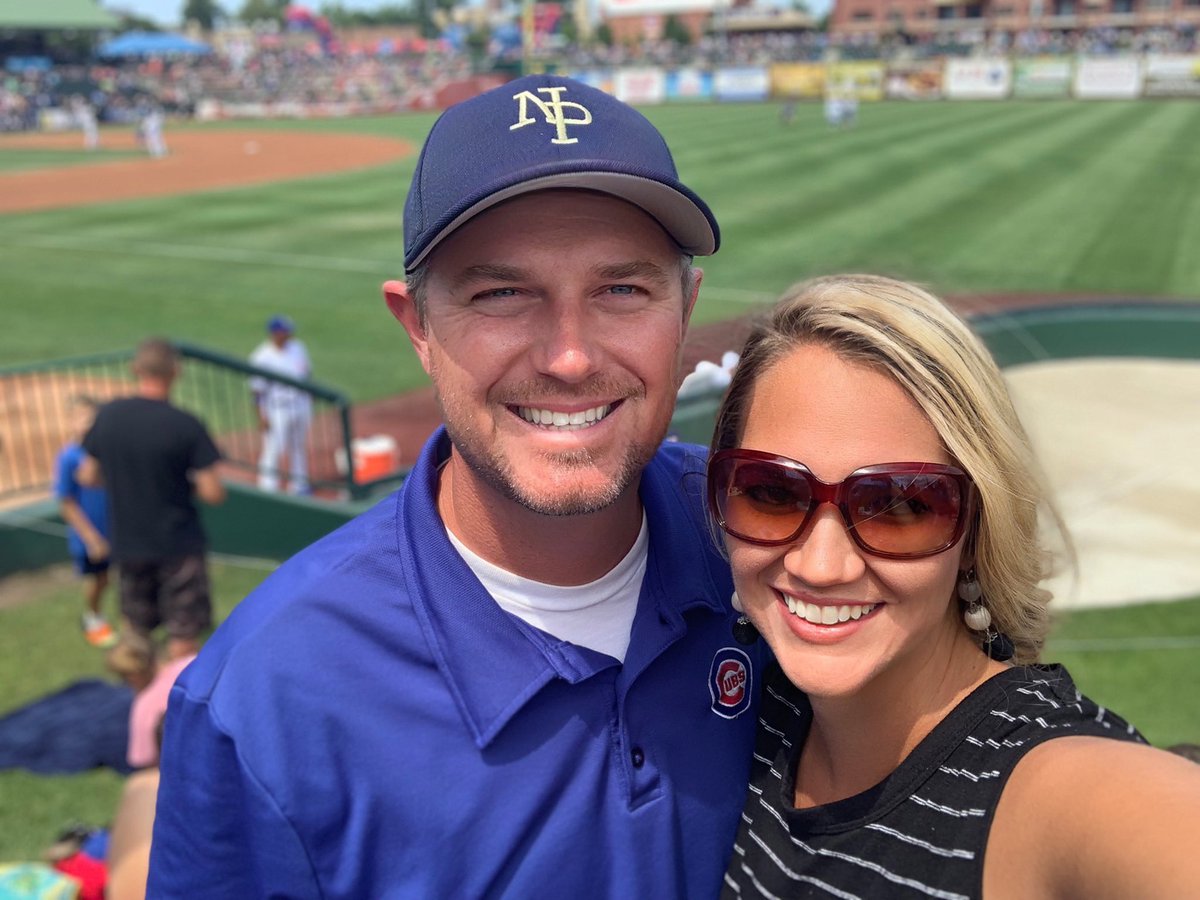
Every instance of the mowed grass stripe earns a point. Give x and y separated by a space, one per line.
285 217
1150 204
869 194
745 170
870 172
768 218
978 192
1044 235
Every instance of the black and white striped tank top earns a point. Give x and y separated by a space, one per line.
923 830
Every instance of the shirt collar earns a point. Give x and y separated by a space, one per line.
492 662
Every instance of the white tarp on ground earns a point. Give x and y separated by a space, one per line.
1118 440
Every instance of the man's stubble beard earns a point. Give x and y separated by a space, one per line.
491 467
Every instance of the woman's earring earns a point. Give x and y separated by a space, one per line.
998 646
977 617
744 631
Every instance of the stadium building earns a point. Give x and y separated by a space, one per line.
634 21
929 18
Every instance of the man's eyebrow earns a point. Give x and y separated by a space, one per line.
487 272
638 268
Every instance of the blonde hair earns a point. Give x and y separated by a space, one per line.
916 339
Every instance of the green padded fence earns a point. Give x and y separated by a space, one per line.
1155 330
273 526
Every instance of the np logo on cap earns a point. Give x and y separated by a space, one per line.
542 132
552 110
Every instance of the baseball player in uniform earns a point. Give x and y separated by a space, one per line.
152 132
516 676
284 411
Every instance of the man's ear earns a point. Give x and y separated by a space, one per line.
401 304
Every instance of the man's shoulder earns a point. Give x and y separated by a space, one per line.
681 457
678 471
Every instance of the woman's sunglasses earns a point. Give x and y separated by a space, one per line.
894 510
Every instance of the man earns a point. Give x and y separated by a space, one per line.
516 676
152 457
284 411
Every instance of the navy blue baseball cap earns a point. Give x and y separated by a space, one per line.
541 132
281 323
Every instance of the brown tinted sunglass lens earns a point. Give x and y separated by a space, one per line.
762 500
896 513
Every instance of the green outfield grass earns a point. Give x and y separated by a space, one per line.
1154 683
15 159
1047 196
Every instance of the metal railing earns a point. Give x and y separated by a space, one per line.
38 416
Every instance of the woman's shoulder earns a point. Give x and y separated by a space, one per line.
1085 815
1043 702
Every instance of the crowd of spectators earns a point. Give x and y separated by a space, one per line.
115 94
286 74
281 75
975 40
293 74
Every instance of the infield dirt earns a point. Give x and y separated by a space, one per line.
198 161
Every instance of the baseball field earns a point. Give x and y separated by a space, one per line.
1042 197
241 221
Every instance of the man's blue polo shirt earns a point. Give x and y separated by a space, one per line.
369 723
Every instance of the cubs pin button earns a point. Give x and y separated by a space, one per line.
730 682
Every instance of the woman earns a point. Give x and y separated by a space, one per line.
880 506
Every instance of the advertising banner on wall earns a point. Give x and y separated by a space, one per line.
638 86
1108 77
800 81
742 83
978 79
1042 77
914 81
1172 76
863 80
602 79
689 84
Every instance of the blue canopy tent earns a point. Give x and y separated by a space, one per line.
152 43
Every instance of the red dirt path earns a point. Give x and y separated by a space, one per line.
198 161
